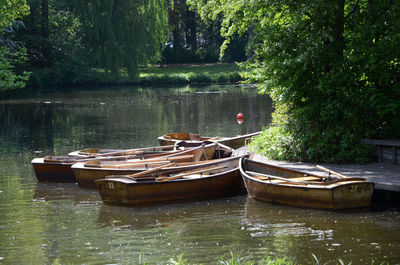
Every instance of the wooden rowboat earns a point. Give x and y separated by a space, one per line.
172 138
238 141
213 179
221 150
232 142
52 171
87 172
96 152
275 184
58 168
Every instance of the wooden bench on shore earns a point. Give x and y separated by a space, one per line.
386 149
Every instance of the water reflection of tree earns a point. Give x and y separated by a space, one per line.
121 118
126 118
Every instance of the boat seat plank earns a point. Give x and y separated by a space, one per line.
199 173
307 178
282 180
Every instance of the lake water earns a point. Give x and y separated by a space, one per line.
44 223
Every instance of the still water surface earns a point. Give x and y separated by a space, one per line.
44 223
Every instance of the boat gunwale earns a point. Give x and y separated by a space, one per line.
40 161
195 166
133 182
331 186
239 136
215 139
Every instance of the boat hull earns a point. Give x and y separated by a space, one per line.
232 142
339 195
86 176
173 138
126 191
52 172
238 141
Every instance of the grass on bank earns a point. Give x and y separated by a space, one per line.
216 73
181 74
190 73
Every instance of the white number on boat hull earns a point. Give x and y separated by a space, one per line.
353 188
110 185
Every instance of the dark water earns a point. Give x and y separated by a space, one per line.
60 223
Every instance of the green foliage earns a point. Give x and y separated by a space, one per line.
11 55
237 260
213 73
281 145
178 261
194 41
331 68
9 79
10 11
119 34
82 42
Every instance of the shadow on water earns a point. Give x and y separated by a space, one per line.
48 192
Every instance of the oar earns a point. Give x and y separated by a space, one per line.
342 177
140 162
174 159
189 173
75 159
331 172
133 151
280 178
150 171
138 150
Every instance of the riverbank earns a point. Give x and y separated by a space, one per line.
215 73
190 73
151 75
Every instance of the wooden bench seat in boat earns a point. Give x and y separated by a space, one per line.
308 178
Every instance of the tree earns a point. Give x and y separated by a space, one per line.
12 53
119 34
193 40
71 42
331 68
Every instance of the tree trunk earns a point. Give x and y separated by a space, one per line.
191 29
338 28
45 33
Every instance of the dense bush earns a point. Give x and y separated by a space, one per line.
331 68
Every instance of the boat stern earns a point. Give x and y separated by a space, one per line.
111 191
355 194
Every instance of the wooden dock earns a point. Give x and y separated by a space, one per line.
386 176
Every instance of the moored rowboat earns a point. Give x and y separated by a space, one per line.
232 142
275 184
209 180
52 171
58 168
87 172
172 138
98 152
238 141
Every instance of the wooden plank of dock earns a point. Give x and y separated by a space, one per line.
386 176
